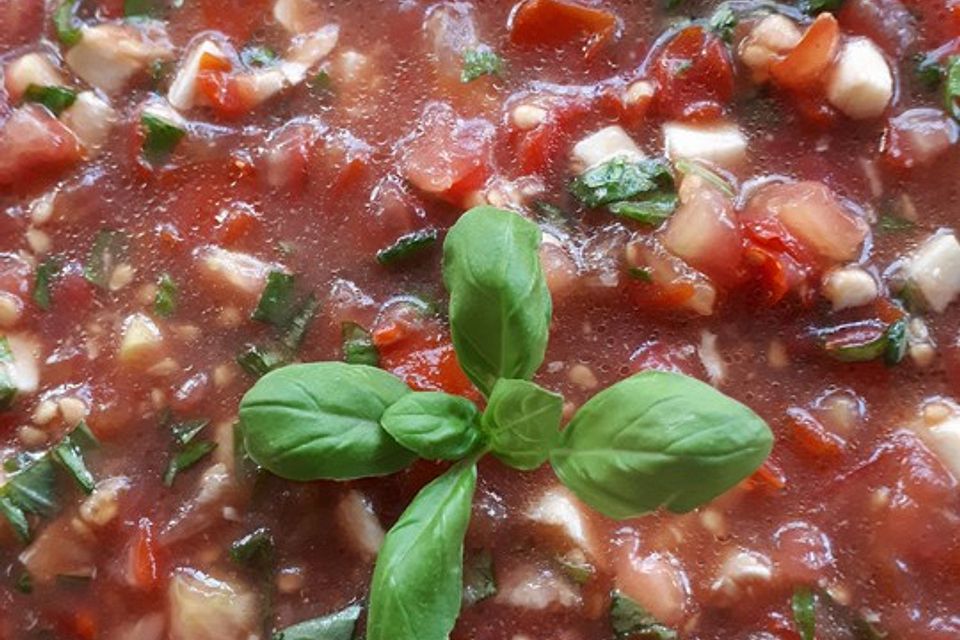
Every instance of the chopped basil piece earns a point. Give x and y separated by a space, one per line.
855 342
480 62
46 272
804 615
814 7
929 71
554 216
643 274
652 211
16 517
951 87
630 620
8 390
258 361
30 488
577 568
254 549
141 8
186 458
24 582
108 245
258 56
722 22
276 302
299 323
892 223
160 137
165 300
69 453
358 347
621 179
340 625
65 23
56 99
407 246
479 580
185 432
321 82
896 342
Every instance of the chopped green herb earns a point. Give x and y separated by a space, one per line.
276 302
258 360
577 568
254 550
479 580
896 342
186 458
554 216
30 488
928 70
630 620
56 99
160 137
722 22
299 323
69 453
644 274
699 169
651 211
46 272
142 8
866 340
358 347
24 582
16 517
892 223
258 56
804 614
185 432
951 87
320 82
335 626
621 179
407 246
8 390
65 23
480 62
814 7
108 245
165 300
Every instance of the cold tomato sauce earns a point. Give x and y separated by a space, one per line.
164 165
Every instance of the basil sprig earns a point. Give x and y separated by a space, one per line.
653 440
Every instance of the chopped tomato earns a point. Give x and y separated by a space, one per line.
236 223
33 141
230 96
917 137
769 475
806 64
144 572
812 436
449 157
537 148
695 76
556 23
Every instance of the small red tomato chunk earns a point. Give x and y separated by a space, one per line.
33 141
559 22
449 157
917 137
803 67
695 76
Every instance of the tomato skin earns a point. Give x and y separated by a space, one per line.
803 68
33 142
559 22
694 76
144 569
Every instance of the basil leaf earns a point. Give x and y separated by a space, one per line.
141 8
951 87
256 549
259 360
31 488
15 517
165 300
322 421
522 423
896 336
416 588
723 22
108 246
185 432
335 626
804 614
8 389
893 223
65 23
480 62
47 271
56 99
621 179
299 322
651 211
658 439
69 453
160 137
258 57
277 300
500 306
188 456
407 245
358 347
630 620
433 424
814 7
479 580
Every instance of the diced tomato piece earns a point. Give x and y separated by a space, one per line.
230 96
79 624
33 141
70 290
537 148
805 65
695 76
776 272
917 137
769 475
555 23
144 568
812 436
813 108
235 223
450 157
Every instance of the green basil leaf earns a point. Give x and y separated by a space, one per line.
322 421
358 347
407 246
256 549
480 62
56 99
896 347
479 579
16 517
855 342
30 488
723 22
108 247
621 179
189 455
433 424
259 360
299 322
804 613
69 453
161 136
165 300
658 439
185 432
631 621
500 306
651 211
65 23
522 423
335 626
47 271
951 87
277 300
415 593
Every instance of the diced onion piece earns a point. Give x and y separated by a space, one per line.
711 359
530 587
90 119
101 506
306 51
358 521
206 608
142 339
183 90
605 144
296 16
238 272
768 41
861 84
657 582
849 287
109 55
32 68
943 438
740 573
722 144
557 507
23 371
61 550
934 271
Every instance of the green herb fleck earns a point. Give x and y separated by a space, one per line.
630 620
621 179
255 550
358 347
258 360
56 99
69 453
651 211
165 300
722 22
951 87
184 432
186 458
804 613
276 302
407 245
480 62
928 71
892 223
108 246
258 56
24 582
65 23
47 271
643 274
161 137
479 580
